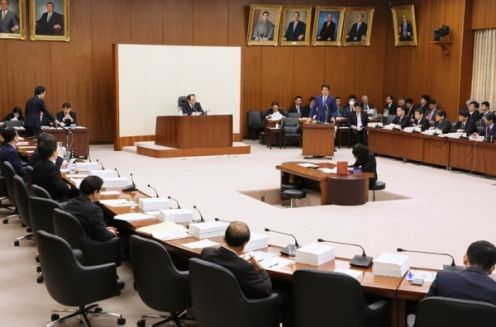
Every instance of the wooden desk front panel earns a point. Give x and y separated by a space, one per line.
436 151
79 139
194 131
473 156
318 139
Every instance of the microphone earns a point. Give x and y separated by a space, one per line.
154 190
289 249
129 188
452 266
201 216
117 171
177 202
102 165
358 260
67 130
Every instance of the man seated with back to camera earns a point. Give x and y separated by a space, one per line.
90 215
191 107
365 161
401 118
358 121
442 123
464 124
35 156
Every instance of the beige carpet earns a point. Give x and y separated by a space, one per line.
445 211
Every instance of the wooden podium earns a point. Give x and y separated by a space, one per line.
318 140
183 132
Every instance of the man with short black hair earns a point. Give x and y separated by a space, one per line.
324 109
442 123
489 130
252 278
358 121
473 108
390 106
401 118
67 117
296 107
9 152
464 124
430 113
472 283
90 215
35 108
191 107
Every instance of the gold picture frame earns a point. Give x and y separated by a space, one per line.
325 32
404 26
262 30
13 22
298 35
355 34
49 24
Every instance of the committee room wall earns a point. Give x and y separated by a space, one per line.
81 71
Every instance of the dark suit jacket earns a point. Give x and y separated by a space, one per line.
475 116
444 126
355 34
469 128
324 111
291 35
67 122
408 29
304 111
10 20
403 122
370 166
34 107
91 217
425 108
391 109
187 110
492 131
424 124
428 113
46 28
328 32
473 283
254 284
9 153
35 158
353 119
47 175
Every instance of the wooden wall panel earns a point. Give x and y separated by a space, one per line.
146 22
483 14
210 22
178 22
276 80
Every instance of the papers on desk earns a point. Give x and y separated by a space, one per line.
200 244
118 203
374 125
148 204
77 176
165 231
183 215
412 129
87 166
431 132
391 264
103 173
115 182
427 276
257 242
259 255
308 165
133 216
274 262
352 273
109 193
329 170
315 254
208 229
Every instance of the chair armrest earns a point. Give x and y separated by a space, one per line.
96 252
264 308
97 282
378 313
378 305
78 254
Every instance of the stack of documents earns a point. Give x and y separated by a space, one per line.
103 173
87 166
257 242
315 254
115 182
200 244
165 231
391 264
117 202
308 165
208 229
328 170
152 204
176 215
133 217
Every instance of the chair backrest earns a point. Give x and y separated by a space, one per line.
441 311
327 299
290 122
68 227
8 172
255 119
42 213
159 284
219 301
13 123
294 115
40 192
29 175
181 100
3 187
21 195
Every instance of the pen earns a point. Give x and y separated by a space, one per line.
271 266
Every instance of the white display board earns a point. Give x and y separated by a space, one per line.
152 77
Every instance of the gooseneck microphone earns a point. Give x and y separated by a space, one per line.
452 266
129 188
290 249
223 220
117 171
100 164
154 190
177 202
358 260
201 216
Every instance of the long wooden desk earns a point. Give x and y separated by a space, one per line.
194 131
447 152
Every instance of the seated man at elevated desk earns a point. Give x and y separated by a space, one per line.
442 123
192 107
67 117
420 121
401 118
464 124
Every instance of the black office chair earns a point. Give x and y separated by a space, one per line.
322 298
28 170
40 192
4 197
255 124
21 195
8 173
218 300
290 130
71 284
447 312
182 100
94 252
294 115
159 284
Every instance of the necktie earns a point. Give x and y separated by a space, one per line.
49 16
404 29
4 13
294 26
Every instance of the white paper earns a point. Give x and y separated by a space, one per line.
81 176
275 262
171 234
118 202
328 170
259 255
107 193
427 276
353 273
200 244
308 165
133 216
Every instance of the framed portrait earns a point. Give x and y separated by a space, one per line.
12 20
328 25
295 26
49 20
404 25
358 26
263 24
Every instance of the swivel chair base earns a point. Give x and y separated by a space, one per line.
25 237
82 313
176 317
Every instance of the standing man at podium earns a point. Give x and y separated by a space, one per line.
192 107
324 108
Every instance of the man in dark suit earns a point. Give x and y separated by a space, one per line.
420 121
358 121
252 278
390 106
297 108
350 106
328 30
401 118
425 102
473 109
51 22
405 29
67 116
192 107
357 30
324 108
472 283
47 175
308 107
489 131
442 123
296 29
34 108
9 21
430 112
464 124
35 156
9 152
90 215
